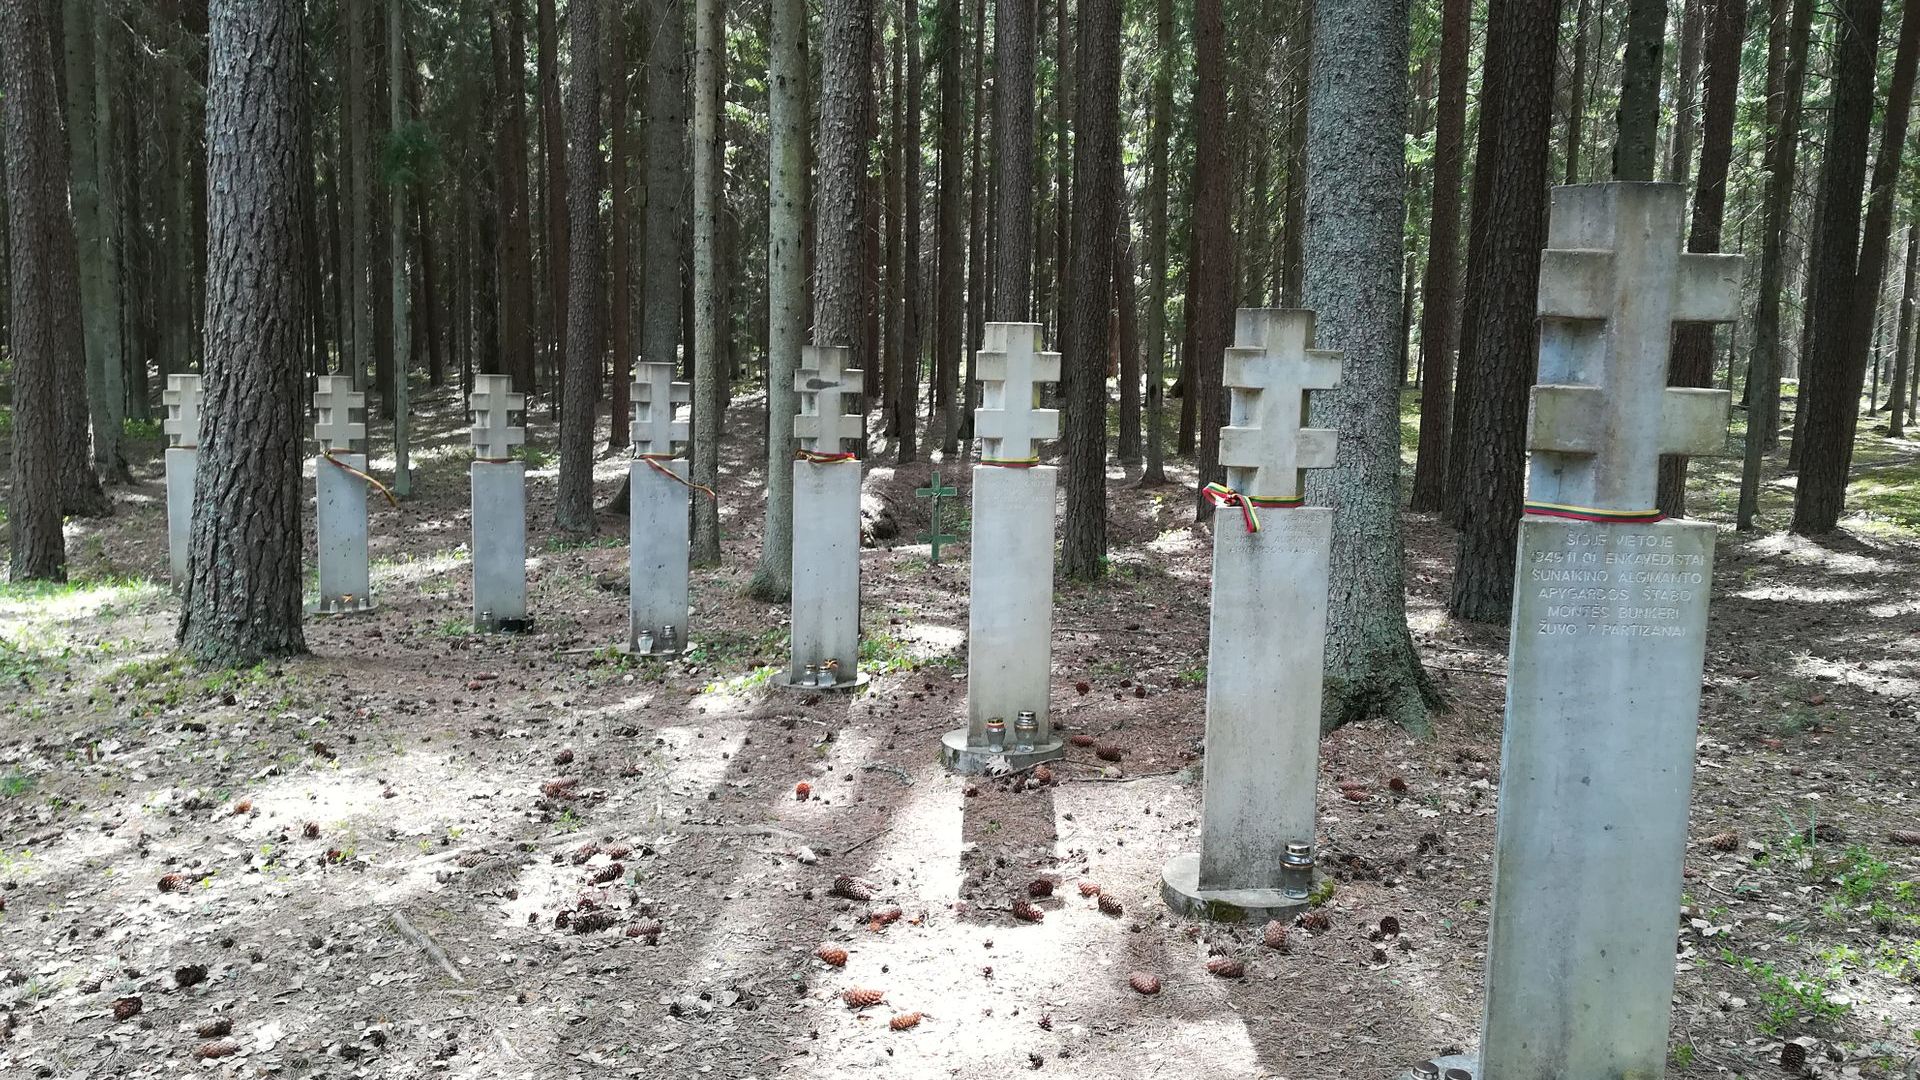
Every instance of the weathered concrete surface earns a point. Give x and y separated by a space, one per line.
181 462
1603 700
826 568
340 526
1180 888
499 491
657 548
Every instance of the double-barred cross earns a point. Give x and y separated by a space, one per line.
1613 281
182 399
656 427
824 382
334 402
1011 367
1266 445
493 404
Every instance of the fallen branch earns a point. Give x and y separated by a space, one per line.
426 945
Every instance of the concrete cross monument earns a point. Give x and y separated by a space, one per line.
1607 645
657 519
826 522
1268 632
182 399
340 497
1010 619
499 490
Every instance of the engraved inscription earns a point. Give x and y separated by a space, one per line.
1606 581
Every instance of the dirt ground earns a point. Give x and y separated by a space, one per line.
424 852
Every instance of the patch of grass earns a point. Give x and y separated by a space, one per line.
583 543
882 653
739 684
1785 999
135 428
15 784
1193 676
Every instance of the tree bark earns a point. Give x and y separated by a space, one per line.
667 182
1903 342
949 240
1438 309
786 285
89 135
1212 291
585 305
840 195
1848 292
1505 267
709 365
553 153
1356 202
1680 142
43 275
1576 94
1638 119
1087 326
1126 328
908 402
619 258
1691 363
241 603
1013 33
515 263
1160 121
400 293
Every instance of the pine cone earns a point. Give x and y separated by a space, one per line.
584 852
223 1048
311 830
1106 752
1043 774
1040 888
244 806
1316 922
860 997
1793 1058
832 955
592 922
564 757
173 883
1389 926
802 791
1398 785
214 1029
607 874
1144 982
1111 907
848 887
1358 794
1082 687
1275 936
1351 785
560 788
189 975
1226 967
126 1008
1726 841
92 984
616 852
880 918
1140 691
905 1020
1026 912
1082 740
648 930
1905 836
1088 888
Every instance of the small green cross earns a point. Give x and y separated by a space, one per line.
934 493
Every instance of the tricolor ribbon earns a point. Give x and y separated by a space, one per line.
817 458
1011 462
1222 495
653 462
1594 514
351 471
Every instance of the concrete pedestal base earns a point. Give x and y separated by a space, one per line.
181 463
826 569
1010 616
1180 888
958 754
658 553
1596 771
340 523
1466 1063
499 491
859 680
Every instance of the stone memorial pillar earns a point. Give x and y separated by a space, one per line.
340 498
657 518
1608 641
826 523
499 492
1267 634
182 399
1010 617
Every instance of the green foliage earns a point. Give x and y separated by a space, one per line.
409 155
135 428
1785 999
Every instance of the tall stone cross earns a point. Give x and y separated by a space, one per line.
334 400
655 427
1266 446
1613 281
182 399
493 404
1011 366
824 382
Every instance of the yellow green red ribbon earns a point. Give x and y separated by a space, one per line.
1249 505
1011 462
351 471
1594 514
653 462
818 458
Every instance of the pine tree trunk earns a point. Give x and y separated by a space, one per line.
1576 94
1084 340
400 294
241 602
1638 118
1013 63
44 332
1212 292
950 243
1160 120
786 286
585 307
1903 341
1680 144
553 155
976 232
1843 308
1438 309
359 193
514 353
619 258
709 364
1691 363
89 135
1505 266
1126 327
908 388
840 193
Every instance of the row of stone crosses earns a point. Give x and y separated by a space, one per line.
1608 631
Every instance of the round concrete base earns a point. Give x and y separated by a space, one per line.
1180 888
338 606
855 683
955 754
1466 1062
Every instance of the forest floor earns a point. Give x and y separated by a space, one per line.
420 851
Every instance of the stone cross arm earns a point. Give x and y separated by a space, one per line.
182 399
493 404
1269 372
656 427
334 401
1011 367
1573 420
1580 284
824 383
